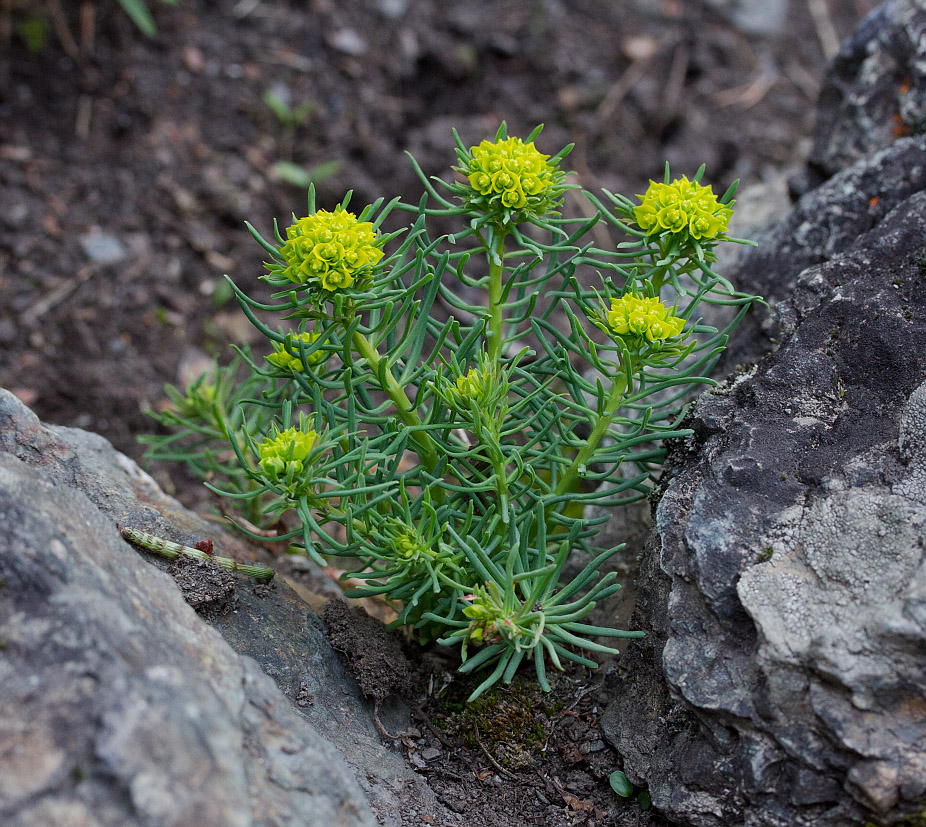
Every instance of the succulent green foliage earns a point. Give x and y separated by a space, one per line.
461 398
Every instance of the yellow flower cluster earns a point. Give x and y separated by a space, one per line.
409 545
510 173
282 358
474 386
682 207
329 249
642 316
486 611
284 455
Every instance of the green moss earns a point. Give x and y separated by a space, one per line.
517 717
765 555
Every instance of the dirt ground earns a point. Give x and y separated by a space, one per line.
128 166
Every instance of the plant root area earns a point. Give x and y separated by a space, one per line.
514 756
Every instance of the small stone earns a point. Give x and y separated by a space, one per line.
393 9
102 248
193 60
7 331
348 42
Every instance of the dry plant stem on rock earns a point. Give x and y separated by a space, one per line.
453 455
171 550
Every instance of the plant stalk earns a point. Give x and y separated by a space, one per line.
568 480
496 306
424 445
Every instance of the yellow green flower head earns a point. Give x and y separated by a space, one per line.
682 207
329 250
472 387
643 316
409 545
508 174
284 455
487 615
282 358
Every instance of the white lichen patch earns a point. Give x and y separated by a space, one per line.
912 445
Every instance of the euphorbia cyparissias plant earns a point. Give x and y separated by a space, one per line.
445 408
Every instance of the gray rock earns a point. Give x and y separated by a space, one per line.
783 678
825 226
122 707
875 89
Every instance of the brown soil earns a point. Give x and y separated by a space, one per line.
208 588
156 151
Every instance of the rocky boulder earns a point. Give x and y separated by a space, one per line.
121 706
783 677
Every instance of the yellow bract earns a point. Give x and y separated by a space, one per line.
473 387
643 316
510 173
285 453
682 207
329 249
409 545
282 358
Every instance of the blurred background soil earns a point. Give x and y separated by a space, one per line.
129 164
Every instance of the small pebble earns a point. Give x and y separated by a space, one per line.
348 41
102 248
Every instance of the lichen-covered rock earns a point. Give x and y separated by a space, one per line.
875 89
825 225
122 707
783 678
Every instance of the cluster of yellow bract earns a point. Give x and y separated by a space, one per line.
633 315
282 358
682 207
409 545
510 172
286 452
329 249
474 386
489 621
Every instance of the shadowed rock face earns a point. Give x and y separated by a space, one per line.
783 677
875 89
122 707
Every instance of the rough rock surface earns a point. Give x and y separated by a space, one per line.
825 225
875 89
121 706
783 677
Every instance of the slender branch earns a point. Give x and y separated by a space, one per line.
405 411
568 480
496 306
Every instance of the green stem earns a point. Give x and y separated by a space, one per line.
405 411
568 480
501 484
496 306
